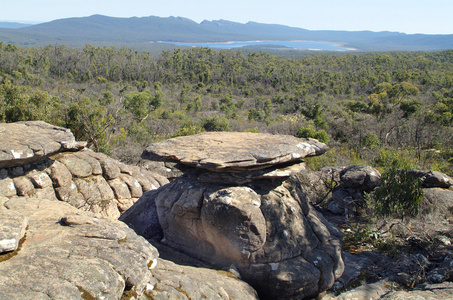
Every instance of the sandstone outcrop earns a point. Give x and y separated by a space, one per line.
67 254
261 225
58 236
85 179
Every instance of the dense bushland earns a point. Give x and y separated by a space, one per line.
120 100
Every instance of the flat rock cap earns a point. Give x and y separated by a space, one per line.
24 142
234 151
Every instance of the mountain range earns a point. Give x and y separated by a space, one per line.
139 33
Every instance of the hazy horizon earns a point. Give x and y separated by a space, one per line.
351 15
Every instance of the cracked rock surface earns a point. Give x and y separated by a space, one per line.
67 253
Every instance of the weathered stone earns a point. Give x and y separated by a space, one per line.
24 186
432 179
124 204
87 187
180 282
134 186
120 189
102 185
236 178
362 178
66 254
60 175
234 151
441 291
40 179
24 142
7 188
70 194
94 163
110 167
345 200
277 241
77 166
12 229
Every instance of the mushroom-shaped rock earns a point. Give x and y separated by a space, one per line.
24 142
234 151
239 204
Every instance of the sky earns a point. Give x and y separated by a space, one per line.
408 16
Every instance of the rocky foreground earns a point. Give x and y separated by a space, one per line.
241 204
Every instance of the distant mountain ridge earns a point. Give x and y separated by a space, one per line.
140 32
13 25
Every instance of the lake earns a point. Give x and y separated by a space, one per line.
276 45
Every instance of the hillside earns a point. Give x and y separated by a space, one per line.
136 32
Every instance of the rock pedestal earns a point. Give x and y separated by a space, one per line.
238 207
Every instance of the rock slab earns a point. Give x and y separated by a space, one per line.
234 151
24 142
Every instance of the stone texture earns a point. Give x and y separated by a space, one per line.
67 254
12 229
362 178
432 179
267 230
234 151
7 188
173 281
77 167
23 185
40 179
24 142
78 178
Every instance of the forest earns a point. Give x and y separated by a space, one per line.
374 108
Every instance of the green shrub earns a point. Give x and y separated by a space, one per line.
310 132
215 123
399 194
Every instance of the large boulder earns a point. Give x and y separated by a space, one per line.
257 221
364 178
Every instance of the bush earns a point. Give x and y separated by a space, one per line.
310 132
399 194
216 124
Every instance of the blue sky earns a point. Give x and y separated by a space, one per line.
409 16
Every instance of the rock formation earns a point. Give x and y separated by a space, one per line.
238 206
58 235
36 161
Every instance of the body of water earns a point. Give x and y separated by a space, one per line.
277 45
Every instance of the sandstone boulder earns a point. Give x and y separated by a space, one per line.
362 178
267 230
24 142
83 179
174 281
